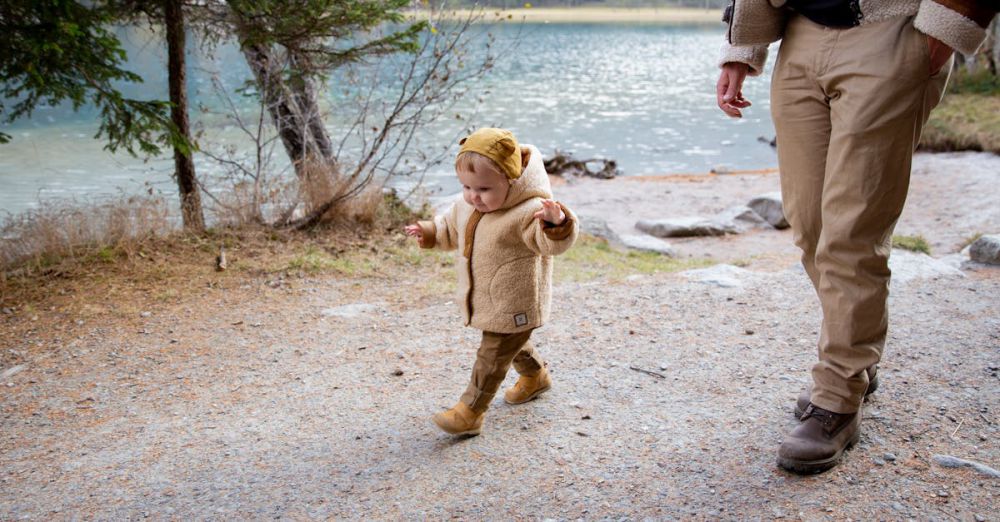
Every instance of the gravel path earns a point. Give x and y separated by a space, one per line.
269 401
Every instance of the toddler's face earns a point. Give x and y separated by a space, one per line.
485 190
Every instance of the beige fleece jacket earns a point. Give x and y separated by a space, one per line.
505 266
753 24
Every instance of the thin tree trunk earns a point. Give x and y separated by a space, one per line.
295 112
292 124
293 106
309 109
183 164
321 169
283 114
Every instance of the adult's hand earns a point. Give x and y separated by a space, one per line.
729 89
939 53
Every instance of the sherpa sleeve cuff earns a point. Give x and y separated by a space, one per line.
428 233
752 55
959 24
548 240
562 231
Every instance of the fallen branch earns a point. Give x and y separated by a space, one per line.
957 428
648 372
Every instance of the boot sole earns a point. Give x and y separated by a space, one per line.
872 386
809 467
531 397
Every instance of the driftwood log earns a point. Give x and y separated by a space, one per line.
563 164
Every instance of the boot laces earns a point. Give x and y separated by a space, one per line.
827 418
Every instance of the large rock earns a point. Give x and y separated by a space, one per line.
769 207
684 227
742 217
646 243
986 249
598 228
909 266
731 221
725 276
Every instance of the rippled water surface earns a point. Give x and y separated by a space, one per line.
640 94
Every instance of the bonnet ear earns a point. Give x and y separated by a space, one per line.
462 141
507 145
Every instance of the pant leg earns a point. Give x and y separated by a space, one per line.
527 362
801 115
881 94
496 352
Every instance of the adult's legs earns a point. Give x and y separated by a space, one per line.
881 94
801 114
868 91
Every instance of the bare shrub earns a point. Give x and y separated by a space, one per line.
395 98
372 208
376 111
59 230
318 184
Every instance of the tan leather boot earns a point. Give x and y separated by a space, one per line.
818 442
806 395
527 388
460 420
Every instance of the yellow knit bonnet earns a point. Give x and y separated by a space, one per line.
499 145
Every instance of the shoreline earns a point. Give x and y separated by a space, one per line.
589 15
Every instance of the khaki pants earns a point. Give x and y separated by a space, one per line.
848 106
496 354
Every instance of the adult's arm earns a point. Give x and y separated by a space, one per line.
729 89
753 25
959 24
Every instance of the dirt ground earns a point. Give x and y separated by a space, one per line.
310 397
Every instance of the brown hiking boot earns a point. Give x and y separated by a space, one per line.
527 388
818 442
460 420
803 401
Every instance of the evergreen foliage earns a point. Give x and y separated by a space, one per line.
56 51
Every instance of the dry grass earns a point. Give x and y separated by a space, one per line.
968 117
44 238
133 238
964 122
61 236
248 204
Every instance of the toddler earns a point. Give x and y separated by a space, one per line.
507 228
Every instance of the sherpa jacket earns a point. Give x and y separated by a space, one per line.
505 266
753 24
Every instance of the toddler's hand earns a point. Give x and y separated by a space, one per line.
551 212
414 231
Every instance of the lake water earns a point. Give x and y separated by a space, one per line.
641 94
